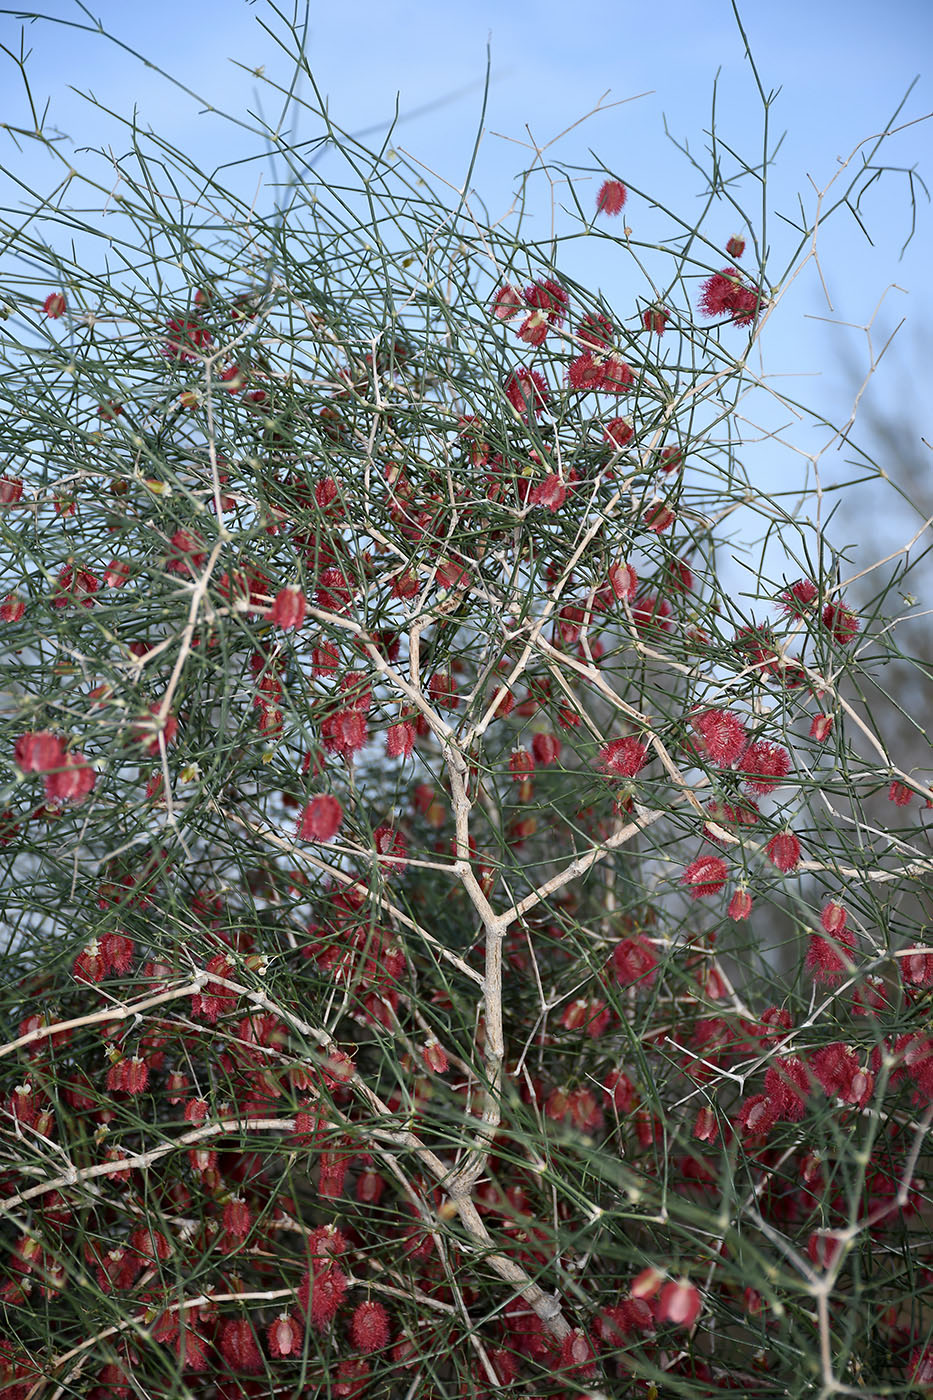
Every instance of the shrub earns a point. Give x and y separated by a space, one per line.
400 811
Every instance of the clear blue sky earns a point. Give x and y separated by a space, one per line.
843 65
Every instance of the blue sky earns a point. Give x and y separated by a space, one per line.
842 65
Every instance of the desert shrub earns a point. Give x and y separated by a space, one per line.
429 966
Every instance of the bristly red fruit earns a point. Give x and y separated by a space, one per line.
623 758
526 390
400 739
285 1336
611 198
618 432
54 305
73 782
289 607
321 1292
507 302
787 1085
829 959
634 961
321 818
798 599
740 905
727 294
551 493
369 1327
546 749
655 319
434 1056
722 734
783 851
39 752
841 622
821 726
238 1345
679 1303
577 1355
706 876
763 766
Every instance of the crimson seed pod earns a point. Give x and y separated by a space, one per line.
285 1336
369 1327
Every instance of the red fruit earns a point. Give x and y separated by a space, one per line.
798 599
577 1354
116 574
618 432
91 964
289 607
841 622
659 517
186 338
150 1244
325 659
54 305
507 302
829 960
73 782
321 819
443 691
726 294
634 961
118 951
611 198
284 1336
128 1076
679 1303
757 1115
551 492
237 1217
917 967
344 732
352 1378
400 739
787 1086
821 728
434 1056
706 1128
706 875
546 748
369 1327
650 613
740 905
623 579
783 851
321 1292
238 1345
763 766
11 490
39 752
722 735
389 842
623 758
146 731
595 332
655 319
12 608
672 459
521 764
526 391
